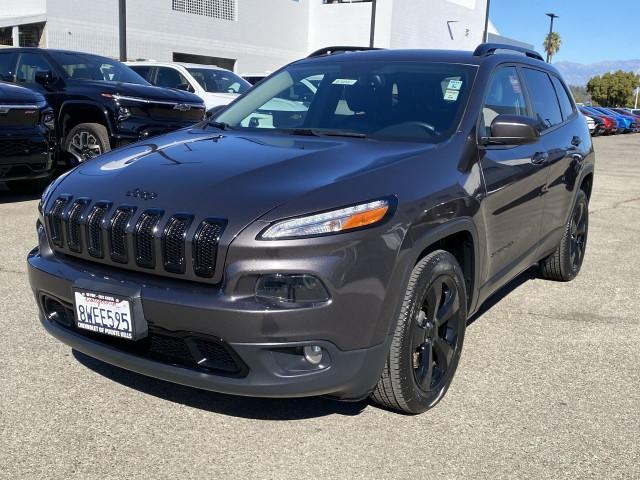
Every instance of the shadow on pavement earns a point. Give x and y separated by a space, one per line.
530 274
245 407
7 196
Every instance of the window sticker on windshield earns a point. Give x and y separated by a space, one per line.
515 84
451 95
454 85
345 81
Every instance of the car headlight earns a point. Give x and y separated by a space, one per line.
333 221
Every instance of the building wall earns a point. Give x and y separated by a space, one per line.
154 31
265 34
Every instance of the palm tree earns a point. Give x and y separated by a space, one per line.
552 44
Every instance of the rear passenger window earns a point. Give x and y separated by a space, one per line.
143 70
566 105
543 97
504 97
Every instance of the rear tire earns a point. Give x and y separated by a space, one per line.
428 338
564 264
86 141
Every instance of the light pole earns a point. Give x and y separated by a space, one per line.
637 93
372 33
551 16
485 37
122 14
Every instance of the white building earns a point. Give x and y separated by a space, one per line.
247 35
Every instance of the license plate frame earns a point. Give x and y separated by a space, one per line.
105 313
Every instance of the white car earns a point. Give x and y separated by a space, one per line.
215 85
590 123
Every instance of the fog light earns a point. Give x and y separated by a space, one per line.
49 120
290 290
313 354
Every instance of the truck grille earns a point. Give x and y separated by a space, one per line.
175 245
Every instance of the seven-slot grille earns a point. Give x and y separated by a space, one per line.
146 239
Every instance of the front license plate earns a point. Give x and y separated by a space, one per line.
103 313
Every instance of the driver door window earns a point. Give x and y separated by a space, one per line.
170 78
505 96
28 65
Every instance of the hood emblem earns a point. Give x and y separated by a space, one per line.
183 107
137 193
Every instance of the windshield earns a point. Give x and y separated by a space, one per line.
219 81
404 100
82 66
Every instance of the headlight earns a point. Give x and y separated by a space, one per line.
334 221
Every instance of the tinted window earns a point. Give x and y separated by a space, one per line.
543 97
403 100
170 78
7 66
28 65
143 70
504 97
566 105
219 80
82 66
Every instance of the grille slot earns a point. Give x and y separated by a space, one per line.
145 241
205 247
118 234
74 234
94 230
173 243
54 219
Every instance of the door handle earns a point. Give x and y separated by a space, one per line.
539 158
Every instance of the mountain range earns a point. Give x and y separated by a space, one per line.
579 74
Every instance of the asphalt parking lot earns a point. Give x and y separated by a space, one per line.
548 385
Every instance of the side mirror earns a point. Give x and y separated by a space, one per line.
44 77
185 87
513 130
213 111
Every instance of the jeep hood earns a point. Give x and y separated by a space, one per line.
228 175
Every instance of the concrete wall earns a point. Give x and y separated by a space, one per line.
266 35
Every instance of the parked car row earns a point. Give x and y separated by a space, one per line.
609 121
75 106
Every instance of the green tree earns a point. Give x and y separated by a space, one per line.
552 44
613 89
580 94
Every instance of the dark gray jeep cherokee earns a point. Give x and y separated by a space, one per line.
328 233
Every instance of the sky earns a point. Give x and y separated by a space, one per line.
591 30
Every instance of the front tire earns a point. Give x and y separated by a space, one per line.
564 264
428 339
86 141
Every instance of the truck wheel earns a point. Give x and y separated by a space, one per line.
86 141
29 187
564 264
427 342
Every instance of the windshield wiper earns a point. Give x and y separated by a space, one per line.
314 132
219 125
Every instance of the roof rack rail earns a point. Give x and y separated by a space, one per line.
338 49
485 49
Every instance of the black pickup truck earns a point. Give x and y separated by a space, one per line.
99 103
26 139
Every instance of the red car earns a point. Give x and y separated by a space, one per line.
610 125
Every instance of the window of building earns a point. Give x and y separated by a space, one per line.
221 9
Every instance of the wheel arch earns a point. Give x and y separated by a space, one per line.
460 238
75 112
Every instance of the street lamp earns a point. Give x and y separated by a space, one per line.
122 29
372 32
551 16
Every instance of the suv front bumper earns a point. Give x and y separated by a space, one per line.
271 368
